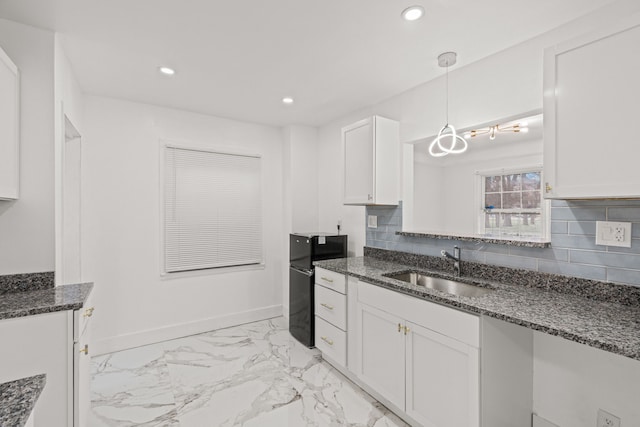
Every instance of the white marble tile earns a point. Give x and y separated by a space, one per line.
250 375
132 388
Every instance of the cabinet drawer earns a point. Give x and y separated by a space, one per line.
331 341
447 321
331 280
331 306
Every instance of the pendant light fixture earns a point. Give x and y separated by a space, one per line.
447 141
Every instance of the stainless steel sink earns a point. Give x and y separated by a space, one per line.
443 285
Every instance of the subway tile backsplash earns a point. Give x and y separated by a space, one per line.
573 250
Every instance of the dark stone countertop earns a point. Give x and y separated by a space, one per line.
58 298
606 325
17 399
26 282
524 242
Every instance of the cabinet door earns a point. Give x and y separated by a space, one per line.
442 379
591 96
82 378
381 350
40 344
358 141
9 128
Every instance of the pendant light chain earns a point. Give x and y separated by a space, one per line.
447 141
447 77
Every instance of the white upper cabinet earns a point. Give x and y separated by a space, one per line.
591 103
9 128
371 156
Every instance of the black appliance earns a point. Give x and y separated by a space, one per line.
304 249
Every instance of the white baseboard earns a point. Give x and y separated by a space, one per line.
541 422
152 336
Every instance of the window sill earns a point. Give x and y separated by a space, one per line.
210 271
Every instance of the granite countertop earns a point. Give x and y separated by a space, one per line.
609 326
58 298
17 399
497 240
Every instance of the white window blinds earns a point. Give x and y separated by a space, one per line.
212 210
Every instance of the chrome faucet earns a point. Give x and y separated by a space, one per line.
455 257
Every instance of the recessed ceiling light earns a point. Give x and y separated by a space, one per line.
166 70
287 100
413 13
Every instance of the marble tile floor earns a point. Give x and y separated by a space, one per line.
253 375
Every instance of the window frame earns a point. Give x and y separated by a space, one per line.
221 149
544 209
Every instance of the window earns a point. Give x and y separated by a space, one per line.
512 204
212 209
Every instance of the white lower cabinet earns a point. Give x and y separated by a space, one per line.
408 358
331 341
51 344
442 379
40 344
331 316
382 352
82 365
423 360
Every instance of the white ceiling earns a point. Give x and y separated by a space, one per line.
237 59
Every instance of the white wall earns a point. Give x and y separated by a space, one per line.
331 164
121 227
572 381
300 191
505 84
27 225
304 172
69 104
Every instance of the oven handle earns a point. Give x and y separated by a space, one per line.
307 273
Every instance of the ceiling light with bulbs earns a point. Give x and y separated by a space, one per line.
496 129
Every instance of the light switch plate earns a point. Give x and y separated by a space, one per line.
613 233
372 221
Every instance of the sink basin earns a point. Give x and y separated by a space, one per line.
443 285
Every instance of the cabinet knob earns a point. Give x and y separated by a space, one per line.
327 340
327 306
85 350
88 312
547 187
369 197
399 327
406 330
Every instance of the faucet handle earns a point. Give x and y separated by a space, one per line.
443 252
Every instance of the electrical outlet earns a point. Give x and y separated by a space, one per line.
613 233
606 419
372 221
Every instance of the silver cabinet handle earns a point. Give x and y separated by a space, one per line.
327 306
327 340
327 279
